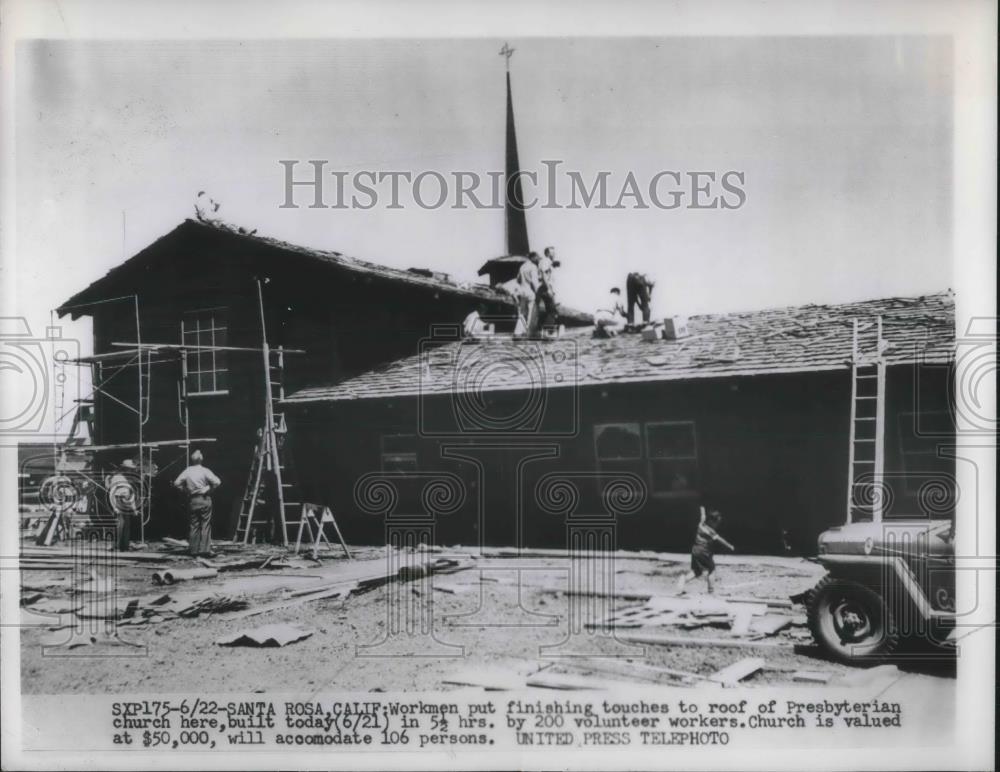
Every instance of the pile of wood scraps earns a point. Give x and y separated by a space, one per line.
599 673
661 619
64 559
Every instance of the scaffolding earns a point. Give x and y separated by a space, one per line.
136 359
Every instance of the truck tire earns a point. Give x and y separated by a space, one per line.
851 622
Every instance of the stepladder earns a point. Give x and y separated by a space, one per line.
268 509
313 521
866 495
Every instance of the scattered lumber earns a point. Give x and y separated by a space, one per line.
102 609
174 575
287 603
658 639
733 674
213 604
144 557
686 612
799 599
769 624
741 622
409 573
580 594
626 667
512 552
773 602
491 679
566 682
52 606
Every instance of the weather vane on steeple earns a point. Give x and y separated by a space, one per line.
508 52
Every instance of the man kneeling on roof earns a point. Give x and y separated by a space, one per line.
609 319
474 327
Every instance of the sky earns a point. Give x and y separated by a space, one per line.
845 144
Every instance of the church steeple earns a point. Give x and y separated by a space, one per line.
516 229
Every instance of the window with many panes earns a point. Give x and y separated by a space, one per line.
672 454
203 332
399 452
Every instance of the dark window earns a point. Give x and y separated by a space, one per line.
399 453
673 458
207 368
617 442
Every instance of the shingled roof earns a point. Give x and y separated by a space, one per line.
277 249
282 250
782 340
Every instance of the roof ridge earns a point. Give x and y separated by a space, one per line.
948 293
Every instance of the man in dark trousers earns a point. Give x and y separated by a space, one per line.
123 495
546 291
638 290
197 483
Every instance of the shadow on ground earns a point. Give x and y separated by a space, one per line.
938 661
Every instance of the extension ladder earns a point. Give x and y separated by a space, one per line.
866 460
272 464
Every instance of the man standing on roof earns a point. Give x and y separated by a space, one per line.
546 291
529 280
639 289
197 482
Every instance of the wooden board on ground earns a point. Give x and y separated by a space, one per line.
774 602
769 624
288 603
566 682
490 679
693 611
732 675
658 639
741 622
812 676
625 667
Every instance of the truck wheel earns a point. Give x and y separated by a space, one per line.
851 621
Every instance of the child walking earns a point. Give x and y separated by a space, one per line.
702 560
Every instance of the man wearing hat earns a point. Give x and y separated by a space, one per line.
197 483
123 496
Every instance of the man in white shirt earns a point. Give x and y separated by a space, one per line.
197 483
529 279
546 291
474 327
609 320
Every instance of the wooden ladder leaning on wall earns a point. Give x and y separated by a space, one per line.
271 463
866 459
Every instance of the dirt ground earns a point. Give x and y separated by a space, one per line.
488 619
